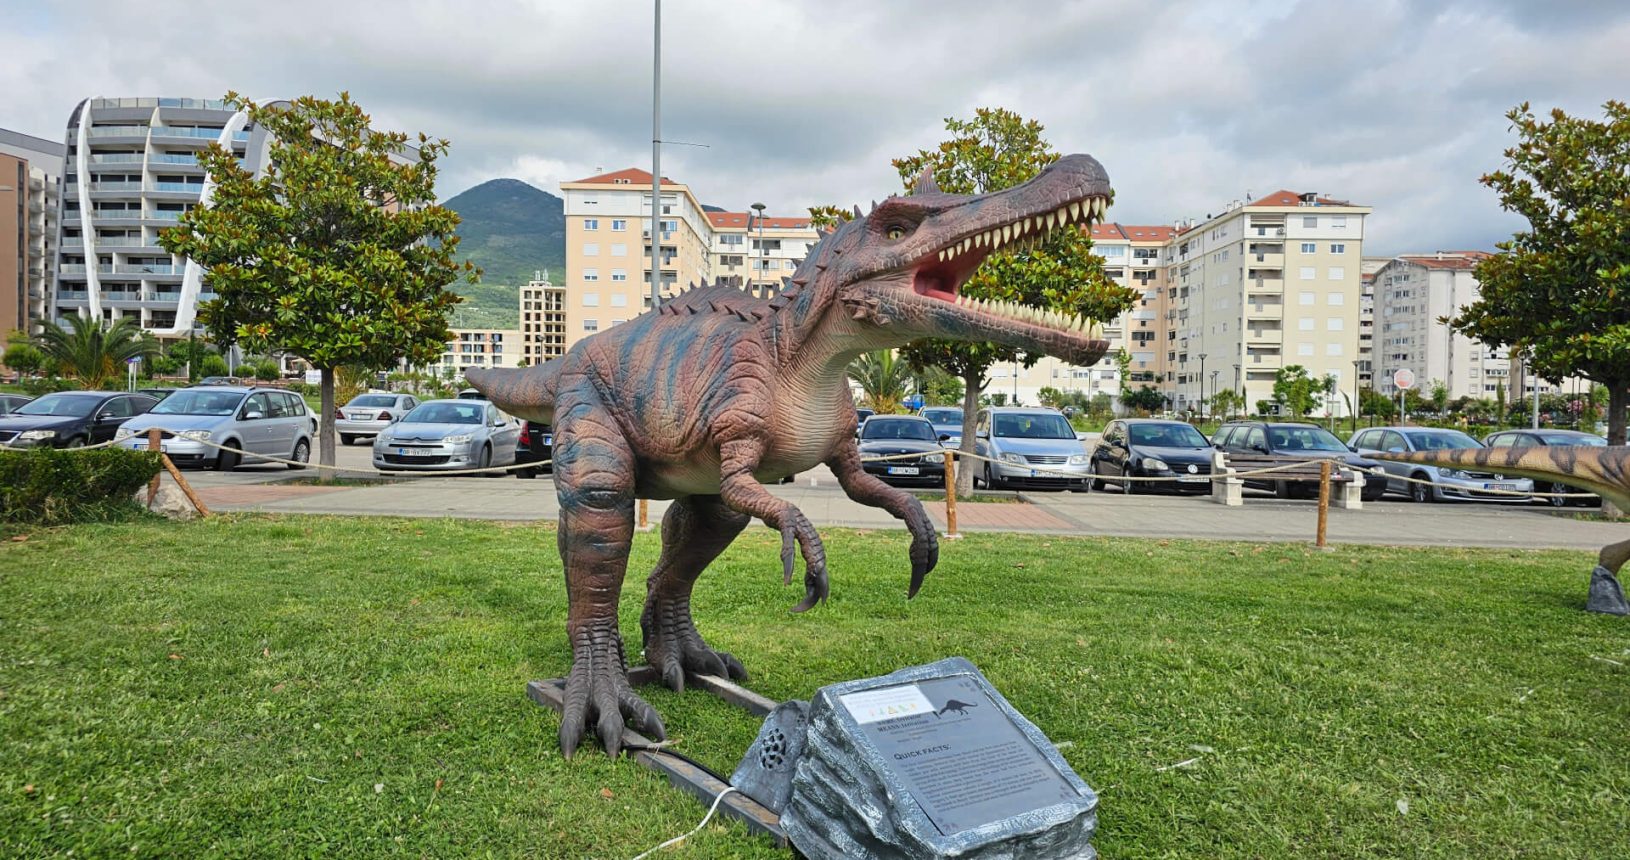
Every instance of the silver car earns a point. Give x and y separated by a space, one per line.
1020 440
1446 483
258 420
445 435
368 414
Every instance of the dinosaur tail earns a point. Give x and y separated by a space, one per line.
527 392
1604 471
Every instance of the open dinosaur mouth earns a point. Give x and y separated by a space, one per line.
941 275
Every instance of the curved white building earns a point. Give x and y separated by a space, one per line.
131 170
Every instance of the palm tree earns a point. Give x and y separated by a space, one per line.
92 353
883 381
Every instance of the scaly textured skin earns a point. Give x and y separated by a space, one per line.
1604 471
718 391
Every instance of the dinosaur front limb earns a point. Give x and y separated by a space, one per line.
694 531
594 476
743 493
1606 595
868 489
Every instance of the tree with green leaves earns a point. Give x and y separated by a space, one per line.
937 387
1144 400
337 254
999 149
1227 402
93 353
828 217
23 357
1560 290
1296 391
883 379
1438 396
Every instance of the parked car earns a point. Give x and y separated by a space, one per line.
1304 441
9 402
220 380
861 414
1446 482
536 444
262 421
1152 448
369 413
471 394
1020 439
1528 438
71 419
947 421
885 435
448 435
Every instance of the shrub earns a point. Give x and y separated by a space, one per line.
267 370
34 386
213 365
47 486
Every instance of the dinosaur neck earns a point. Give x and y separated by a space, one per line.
816 342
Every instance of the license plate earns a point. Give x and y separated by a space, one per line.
413 452
362 416
142 446
1033 473
548 439
903 470
1197 479
1500 486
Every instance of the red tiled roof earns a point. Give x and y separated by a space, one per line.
747 219
1459 260
1290 198
627 176
1133 232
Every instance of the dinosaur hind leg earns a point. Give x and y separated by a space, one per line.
594 477
694 531
1605 593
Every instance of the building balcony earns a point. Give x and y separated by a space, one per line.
73 295
1265 261
190 189
1268 311
1274 286
1265 335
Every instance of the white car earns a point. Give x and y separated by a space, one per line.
368 414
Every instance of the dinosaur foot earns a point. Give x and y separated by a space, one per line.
673 647
597 692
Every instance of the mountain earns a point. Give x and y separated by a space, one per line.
511 229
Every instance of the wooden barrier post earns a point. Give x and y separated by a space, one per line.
154 443
950 495
182 483
645 519
1324 500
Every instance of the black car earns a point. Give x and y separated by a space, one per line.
882 435
71 419
10 402
1527 438
1152 448
535 445
1302 441
861 414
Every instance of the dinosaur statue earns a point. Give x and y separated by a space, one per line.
1602 470
717 391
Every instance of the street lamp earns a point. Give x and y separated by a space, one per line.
763 252
1214 383
1357 400
1202 383
1237 389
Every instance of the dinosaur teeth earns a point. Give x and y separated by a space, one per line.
1007 234
1075 211
1049 220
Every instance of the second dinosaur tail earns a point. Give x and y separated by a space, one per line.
526 392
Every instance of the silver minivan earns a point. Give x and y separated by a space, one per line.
1030 447
258 420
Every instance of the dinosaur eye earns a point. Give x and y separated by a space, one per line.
896 232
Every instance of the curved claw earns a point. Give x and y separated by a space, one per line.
925 555
816 588
789 539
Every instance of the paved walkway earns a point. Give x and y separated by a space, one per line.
1262 518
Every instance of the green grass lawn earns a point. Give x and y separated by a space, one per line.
255 686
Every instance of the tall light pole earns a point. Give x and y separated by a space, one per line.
1214 386
1238 390
1357 398
656 157
763 252
1202 383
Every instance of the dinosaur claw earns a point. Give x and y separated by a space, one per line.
673 677
788 547
737 671
816 589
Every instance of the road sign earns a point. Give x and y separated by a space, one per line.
1403 379
133 360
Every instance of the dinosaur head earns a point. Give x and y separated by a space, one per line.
899 270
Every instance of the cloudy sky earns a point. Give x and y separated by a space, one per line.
1394 104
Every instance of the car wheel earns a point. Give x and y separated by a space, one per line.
1558 501
302 454
991 481
226 461
1097 478
1126 485
347 439
485 461
76 442
528 473
1421 493
1284 490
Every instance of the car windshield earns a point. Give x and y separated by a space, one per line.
1038 426
1302 439
447 413
196 401
1588 441
64 405
1167 436
1441 440
375 400
899 428
943 416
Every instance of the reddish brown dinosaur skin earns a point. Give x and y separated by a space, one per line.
718 391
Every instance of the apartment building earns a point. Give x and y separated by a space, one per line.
1366 318
483 348
1266 284
30 173
609 249
543 320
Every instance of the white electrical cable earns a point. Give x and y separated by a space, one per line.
705 819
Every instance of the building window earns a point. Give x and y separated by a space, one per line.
1304 324
1339 222
591 300
1333 324
1338 273
591 325
1306 297
619 300
1333 348
1310 247
1335 299
619 224
616 322
591 223
1304 349
1310 221
619 249
591 249
1307 273
1338 248
591 274
618 275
